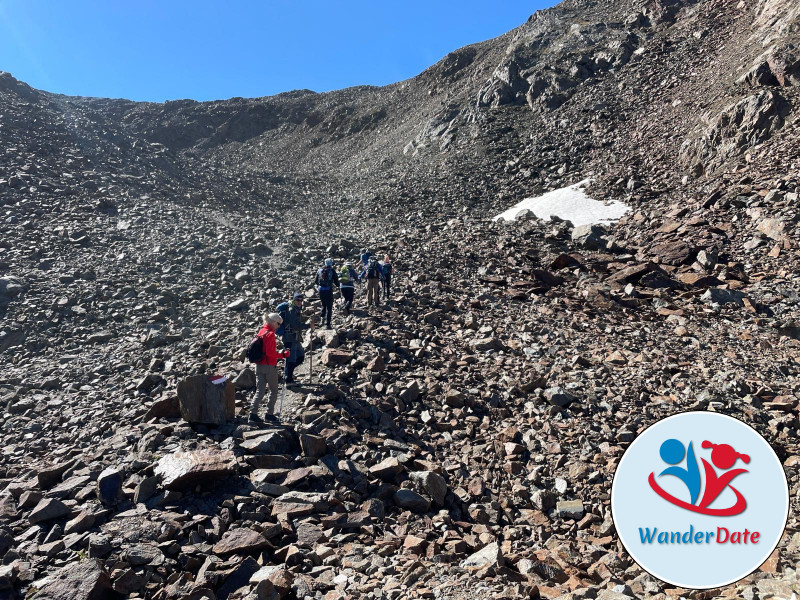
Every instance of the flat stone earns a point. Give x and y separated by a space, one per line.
181 469
296 504
48 509
388 469
144 554
488 556
86 580
411 500
241 541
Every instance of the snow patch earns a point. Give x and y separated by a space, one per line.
571 204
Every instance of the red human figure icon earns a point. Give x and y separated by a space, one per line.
724 457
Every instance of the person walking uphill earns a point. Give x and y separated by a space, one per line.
267 367
374 275
291 332
326 280
386 267
347 282
365 256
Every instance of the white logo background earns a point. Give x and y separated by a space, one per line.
635 505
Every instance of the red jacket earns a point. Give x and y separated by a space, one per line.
271 354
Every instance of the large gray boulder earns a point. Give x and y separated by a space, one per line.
202 401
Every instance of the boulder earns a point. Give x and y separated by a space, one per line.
202 401
164 408
48 509
590 236
486 557
332 357
388 469
313 446
558 396
241 541
720 296
433 483
109 485
245 380
86 580
181 469
411 500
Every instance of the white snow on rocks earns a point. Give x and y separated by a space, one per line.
571 204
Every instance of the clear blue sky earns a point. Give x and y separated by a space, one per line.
167 49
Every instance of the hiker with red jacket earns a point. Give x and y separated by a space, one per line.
267 368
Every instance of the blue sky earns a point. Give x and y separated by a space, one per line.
169 49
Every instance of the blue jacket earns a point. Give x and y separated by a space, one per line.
334 282
365 258
387 269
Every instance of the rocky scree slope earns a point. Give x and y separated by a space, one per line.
460 442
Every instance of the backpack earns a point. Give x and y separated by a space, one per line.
283 310
255 351
326 276
373 270
344 275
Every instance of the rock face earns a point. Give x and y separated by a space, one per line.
202 401
737 128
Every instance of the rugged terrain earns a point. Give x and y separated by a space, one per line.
460 441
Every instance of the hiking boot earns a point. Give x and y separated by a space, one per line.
272 418
254 418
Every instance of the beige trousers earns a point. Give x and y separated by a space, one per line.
266 375
373 291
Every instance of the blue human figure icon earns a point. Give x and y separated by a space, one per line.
672 452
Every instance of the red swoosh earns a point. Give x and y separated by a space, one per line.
737 508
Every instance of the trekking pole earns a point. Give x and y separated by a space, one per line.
311 354
283 393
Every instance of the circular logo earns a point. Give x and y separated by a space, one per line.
700 500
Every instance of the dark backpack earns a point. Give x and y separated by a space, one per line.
255 351
326 276
373 270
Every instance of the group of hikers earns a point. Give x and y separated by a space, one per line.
287 323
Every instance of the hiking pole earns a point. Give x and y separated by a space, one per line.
311 354
283 393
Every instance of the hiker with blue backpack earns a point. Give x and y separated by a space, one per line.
386 267
365 256
291 333
347 282
325 281
263 352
